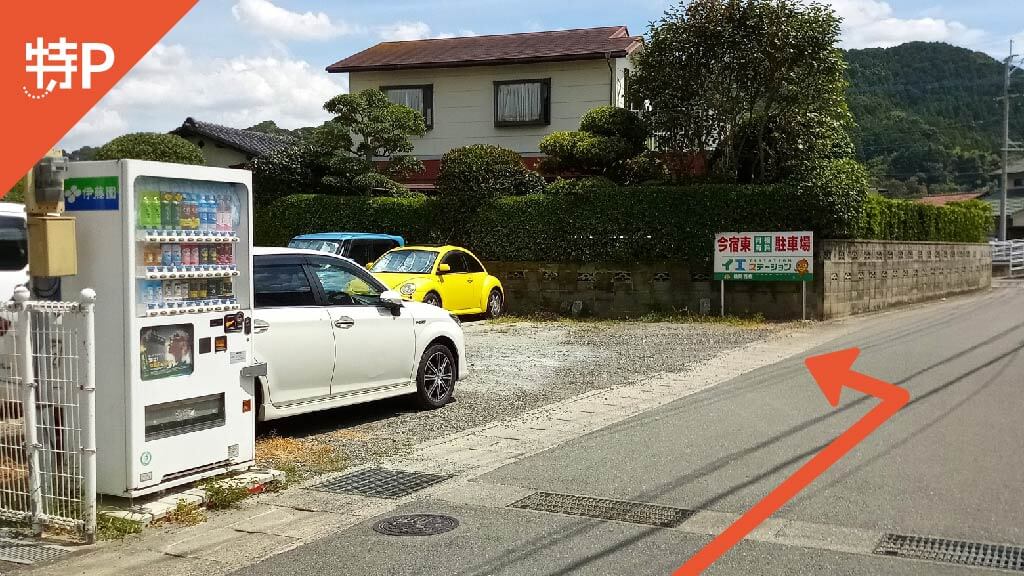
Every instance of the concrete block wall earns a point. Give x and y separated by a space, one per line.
851 277
865 275
610 290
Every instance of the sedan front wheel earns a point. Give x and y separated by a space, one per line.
435 379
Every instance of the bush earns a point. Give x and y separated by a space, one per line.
616 122
831 193
641 169
481 172
151 146
890 219
564 186
374 184
582 152
414 218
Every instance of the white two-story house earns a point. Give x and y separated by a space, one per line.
509 89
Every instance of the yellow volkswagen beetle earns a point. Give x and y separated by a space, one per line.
445 276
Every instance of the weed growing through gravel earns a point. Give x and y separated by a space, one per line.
114 528
224 494
298 458
186 513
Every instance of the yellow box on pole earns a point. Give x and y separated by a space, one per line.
51 246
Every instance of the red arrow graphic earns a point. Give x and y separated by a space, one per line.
832 371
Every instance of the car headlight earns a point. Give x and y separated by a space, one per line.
407 289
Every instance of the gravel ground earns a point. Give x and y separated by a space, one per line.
516 367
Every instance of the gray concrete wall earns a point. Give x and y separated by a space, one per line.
864 275
850 277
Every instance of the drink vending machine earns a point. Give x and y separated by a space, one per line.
168 249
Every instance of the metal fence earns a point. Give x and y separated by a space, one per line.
47 414
1009 252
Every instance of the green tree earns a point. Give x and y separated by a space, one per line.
758 82
151 146
368 125
338 156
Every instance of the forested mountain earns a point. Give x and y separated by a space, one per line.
927 115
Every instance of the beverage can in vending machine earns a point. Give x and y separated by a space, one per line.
204 255
166 255
176 254
181 290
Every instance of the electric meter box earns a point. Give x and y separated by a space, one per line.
168 249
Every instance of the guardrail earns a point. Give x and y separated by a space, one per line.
1009 252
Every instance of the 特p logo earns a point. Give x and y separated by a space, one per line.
55 64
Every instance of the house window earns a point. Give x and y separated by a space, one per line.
522 102
419 98
1018 182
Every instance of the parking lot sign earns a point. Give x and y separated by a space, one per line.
764 256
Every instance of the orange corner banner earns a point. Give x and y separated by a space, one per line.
58 60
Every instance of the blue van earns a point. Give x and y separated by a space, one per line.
362 247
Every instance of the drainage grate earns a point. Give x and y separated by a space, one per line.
380 483
27 551
416 525
952 551
604 509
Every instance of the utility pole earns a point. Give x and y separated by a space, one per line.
1010 68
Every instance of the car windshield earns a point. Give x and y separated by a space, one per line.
13 243
407 261
329 246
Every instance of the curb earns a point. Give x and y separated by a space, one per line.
255 481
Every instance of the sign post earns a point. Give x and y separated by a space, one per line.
765 257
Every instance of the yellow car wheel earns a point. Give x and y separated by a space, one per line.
495 303
432 298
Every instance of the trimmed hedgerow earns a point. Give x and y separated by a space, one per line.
594 221
889 219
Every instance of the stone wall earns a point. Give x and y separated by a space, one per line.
863 275
850 277
611 290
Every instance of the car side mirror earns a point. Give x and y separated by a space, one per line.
392 300
444 269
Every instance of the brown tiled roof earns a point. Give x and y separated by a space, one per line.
559 45
943 199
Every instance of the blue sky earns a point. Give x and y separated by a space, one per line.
238 62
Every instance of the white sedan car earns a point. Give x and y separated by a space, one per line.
332 335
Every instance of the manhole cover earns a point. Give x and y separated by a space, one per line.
416 525
380 483
605 509
27 551
952 551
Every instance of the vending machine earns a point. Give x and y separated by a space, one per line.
168 249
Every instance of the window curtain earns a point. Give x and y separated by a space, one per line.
411 97
520 102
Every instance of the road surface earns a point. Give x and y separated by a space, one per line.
949 465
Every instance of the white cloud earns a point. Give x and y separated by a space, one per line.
868 23
268 18
415 31
169 85
99 126
404 31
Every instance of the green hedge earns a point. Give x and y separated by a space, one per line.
591 220
280 221
606 224
888 219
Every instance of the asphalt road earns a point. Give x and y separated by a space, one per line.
948 465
